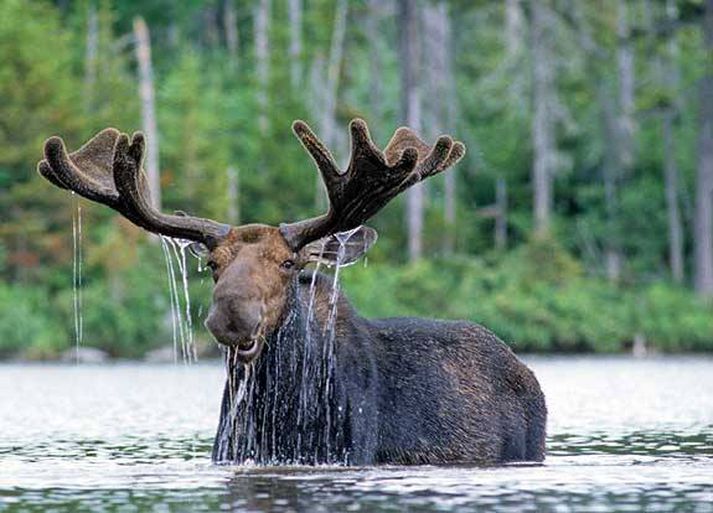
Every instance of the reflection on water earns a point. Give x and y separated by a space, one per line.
625 435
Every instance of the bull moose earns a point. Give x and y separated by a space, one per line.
309 380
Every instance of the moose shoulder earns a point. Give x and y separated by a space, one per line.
309 380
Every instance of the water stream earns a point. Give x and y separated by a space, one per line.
298 361
174 252
77 274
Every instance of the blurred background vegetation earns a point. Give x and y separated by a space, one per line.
580 219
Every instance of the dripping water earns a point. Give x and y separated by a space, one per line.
77 275
174 252
254 426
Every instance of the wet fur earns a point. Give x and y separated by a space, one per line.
403 391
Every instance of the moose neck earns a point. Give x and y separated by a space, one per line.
288 405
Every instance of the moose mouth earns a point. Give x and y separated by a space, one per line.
249 350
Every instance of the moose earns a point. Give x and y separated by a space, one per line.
310 381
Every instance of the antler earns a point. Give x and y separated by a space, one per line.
371 179
107 170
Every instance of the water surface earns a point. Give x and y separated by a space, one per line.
624 435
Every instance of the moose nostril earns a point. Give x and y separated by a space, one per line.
234 326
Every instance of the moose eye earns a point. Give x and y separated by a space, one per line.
287 264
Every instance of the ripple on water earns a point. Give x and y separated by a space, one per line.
624 436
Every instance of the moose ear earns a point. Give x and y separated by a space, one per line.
198 250
342 248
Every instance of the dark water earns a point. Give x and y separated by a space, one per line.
624 435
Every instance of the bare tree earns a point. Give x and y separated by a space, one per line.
374 36
675 229
148 108
623 141
669 76
703 223
209 22
625 67
328 105
262 56
514 46
451 99
440 108
543 123
233 195
92 51
230 27
409 53
501 225
295 16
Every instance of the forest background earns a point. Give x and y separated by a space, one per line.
581 218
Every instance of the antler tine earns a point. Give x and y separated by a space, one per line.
107 170
60 169
320 154
372 178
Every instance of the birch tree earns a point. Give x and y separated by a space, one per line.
543 126
261 21
669 77
440 109
373 34
623 141
409 54
330 89
703 223
295 18
91 54
148 108
230 27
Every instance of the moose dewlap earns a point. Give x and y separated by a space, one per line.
310 381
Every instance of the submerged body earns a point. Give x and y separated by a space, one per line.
349 390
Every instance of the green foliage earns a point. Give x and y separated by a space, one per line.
25 323
562 311
539 294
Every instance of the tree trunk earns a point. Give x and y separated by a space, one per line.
623 143
295 16
409 53
233 213
230 26
703 225
625 67
675 231
148 108
501 224
675 228
440 111
329 106
90 63
262 55
374 36
211 35
514 42
543 136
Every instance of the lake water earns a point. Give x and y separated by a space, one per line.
624 435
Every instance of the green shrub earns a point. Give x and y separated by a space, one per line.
556 309
26 325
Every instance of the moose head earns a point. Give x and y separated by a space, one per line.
253 265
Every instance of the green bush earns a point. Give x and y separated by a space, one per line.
26 324
558 308
536 299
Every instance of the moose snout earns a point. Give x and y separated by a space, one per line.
233 325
